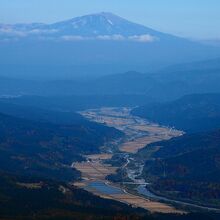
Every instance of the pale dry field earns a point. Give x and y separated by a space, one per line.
139 143
94 170
134 146
140 202
100 156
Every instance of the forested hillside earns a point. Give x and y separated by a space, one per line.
187 168
192 113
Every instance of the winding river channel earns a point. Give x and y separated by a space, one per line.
132 189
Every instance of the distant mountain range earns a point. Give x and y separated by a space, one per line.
129 88
103 26
96 44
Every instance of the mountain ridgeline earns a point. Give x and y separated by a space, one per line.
132 88
91 45
187 168
45 143
192 113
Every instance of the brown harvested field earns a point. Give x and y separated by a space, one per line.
156 129
154 134
112 121
139 143
140 202
80 184
146 204
100 156
94 170
134 146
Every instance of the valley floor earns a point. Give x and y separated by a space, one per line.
96 168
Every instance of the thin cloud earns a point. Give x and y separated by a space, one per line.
12 32
146 38
73 38
42 31
117 37
48 33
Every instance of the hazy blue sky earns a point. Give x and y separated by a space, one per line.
191 18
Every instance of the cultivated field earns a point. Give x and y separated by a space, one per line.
138 134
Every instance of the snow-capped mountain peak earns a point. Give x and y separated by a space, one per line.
100 26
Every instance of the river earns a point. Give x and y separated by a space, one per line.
138 133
